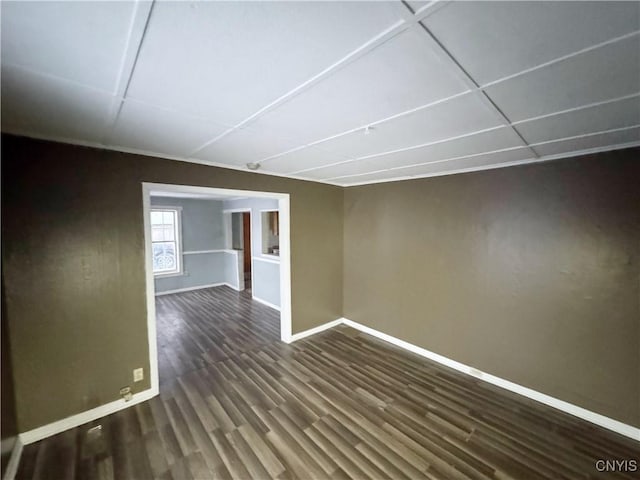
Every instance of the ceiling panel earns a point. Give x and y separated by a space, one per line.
79 41
400 75
602 74
472 163
153 129
483 142
226 60
496 39
461 115
618 114
245 145
603 140
308 157
52 107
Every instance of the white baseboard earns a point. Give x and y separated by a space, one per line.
189 289
14 461
264 302
81 418
592 417
318 329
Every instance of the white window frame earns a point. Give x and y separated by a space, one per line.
178 236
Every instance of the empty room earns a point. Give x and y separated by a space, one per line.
320 239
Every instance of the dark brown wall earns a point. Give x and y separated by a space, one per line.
529 273
73 259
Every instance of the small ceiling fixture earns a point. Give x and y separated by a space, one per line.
368 129
253 165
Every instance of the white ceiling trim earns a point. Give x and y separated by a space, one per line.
363 127
476 132
461 72
473 86
404 149
590 48
577 109
444 160
546 158
433 162
586 135
392 31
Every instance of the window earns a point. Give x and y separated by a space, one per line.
165 240
270 232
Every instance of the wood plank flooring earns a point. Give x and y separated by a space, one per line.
237 403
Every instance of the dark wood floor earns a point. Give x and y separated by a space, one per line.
237 403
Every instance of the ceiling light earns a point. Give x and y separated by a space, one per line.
253 165
368 129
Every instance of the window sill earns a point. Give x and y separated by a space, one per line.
167 275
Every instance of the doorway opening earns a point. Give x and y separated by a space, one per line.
206 262
240 235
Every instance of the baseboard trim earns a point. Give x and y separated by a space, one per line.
14 460
592 417
318 329
264 302
73 421
189 289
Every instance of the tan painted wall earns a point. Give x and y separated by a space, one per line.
73 262
529 273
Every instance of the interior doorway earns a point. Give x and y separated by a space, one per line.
242 269
246 240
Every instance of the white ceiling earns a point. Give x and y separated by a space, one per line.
444 87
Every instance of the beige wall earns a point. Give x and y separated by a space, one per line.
73 263
529 273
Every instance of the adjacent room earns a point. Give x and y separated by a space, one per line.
216 276
320 239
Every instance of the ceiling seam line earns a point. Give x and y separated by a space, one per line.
372 124
562 58
394 30
427 106
407 149
470 80
545 158
577 109
587 135
442 160
108 135
476 87
435 103
530 146
564 139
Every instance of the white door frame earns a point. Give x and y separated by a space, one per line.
285 259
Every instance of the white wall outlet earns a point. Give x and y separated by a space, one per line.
138 374
125 392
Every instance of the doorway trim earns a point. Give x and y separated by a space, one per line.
285 259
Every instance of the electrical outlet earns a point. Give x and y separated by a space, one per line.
138 374
125 392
